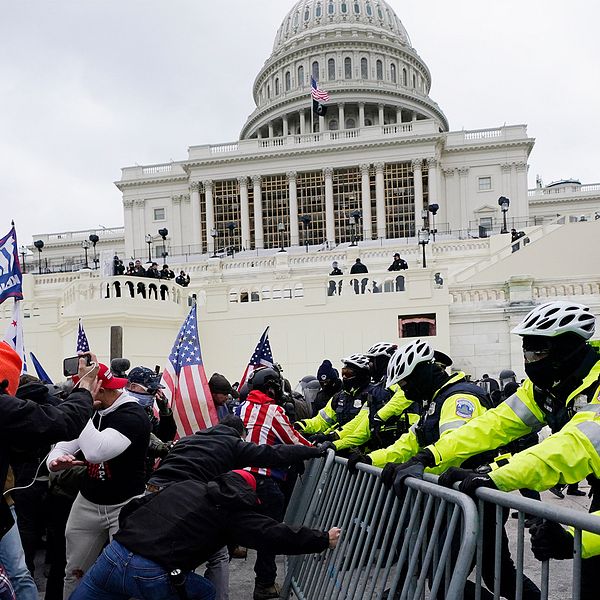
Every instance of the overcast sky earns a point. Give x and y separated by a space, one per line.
90 86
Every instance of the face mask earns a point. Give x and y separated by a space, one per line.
349 383
541 373
145 400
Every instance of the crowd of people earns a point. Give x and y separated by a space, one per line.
132 512
136 269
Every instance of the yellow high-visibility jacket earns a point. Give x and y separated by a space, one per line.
567 456
452 417
358 431
324 422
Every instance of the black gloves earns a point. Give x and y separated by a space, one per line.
356 456
319 438
551 540
326 446
470 480
415 467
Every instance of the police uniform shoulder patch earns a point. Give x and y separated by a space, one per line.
464 408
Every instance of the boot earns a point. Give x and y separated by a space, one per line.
264 592
573 490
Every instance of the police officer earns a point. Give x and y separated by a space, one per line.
346 404
562 391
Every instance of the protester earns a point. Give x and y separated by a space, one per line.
182 279
24 424
172 532
359 267
221 391
138 269
113 447
333 285
166 273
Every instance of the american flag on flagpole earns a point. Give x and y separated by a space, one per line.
262 356
186 386
82 341
317 94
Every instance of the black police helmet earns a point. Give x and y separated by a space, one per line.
265 380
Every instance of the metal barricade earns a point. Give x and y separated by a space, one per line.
419 546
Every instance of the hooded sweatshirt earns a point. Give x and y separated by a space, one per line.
181 526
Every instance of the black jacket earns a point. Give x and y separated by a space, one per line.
25 424
211 452
358 268
181 526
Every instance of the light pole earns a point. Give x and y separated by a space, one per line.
94 239
424 215
281 229
214 234
433 208
355 217
39 244
164 232
423 236
230 227
23 250
149 242
86 246
504 203
305 219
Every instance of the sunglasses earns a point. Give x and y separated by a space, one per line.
532 356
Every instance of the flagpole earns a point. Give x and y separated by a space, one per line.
312 117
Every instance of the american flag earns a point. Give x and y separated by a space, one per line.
317 94
82 341
262 356
14 334
186 386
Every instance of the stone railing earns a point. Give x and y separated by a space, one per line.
107 233
270 291
552 289
569 189
497 134
466 295
124 289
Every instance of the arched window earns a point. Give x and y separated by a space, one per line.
277 86
300 76
333 125
356 8
368 123
364 68
331 69
318 10
331 8
350 123
380 13
404 77
379 68
315 71
288 81
414 81
307 14
369 10
344 8
393 75
269 92
348 67
296 19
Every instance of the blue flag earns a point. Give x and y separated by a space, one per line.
42 375
11 279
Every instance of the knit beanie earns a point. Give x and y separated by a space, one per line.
247 477
10 367
326 371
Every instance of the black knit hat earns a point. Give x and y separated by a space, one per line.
326 371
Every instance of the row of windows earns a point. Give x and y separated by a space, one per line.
394 76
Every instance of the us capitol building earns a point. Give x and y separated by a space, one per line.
257 222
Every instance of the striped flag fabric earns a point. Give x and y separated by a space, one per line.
82 341
262 356
317 94
186 385
14 334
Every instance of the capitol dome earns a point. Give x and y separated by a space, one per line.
359 52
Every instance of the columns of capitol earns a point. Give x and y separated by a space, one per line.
341 116
367 218
433 176
417 164
244 212
293 195
380 200
329 212
176 235
210 214
258 214
140 217
129 227
196 216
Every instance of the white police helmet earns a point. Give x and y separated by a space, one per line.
555 318
406 358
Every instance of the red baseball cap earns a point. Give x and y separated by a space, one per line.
107 380
247 477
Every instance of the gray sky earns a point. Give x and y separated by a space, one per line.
90 86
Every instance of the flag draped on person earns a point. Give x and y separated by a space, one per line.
262 356
319 97
186 385
82 341
41 373
11 278
14 334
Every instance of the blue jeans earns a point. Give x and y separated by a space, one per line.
12 558
119 574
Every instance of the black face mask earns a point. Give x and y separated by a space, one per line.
357 382
420 385
542 373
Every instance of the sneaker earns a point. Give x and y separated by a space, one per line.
264 592
557 491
